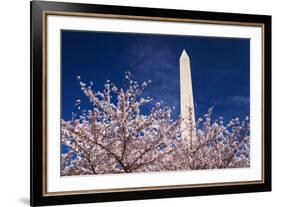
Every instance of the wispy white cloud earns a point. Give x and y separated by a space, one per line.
238 100
162 69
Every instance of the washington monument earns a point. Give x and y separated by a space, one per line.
186 97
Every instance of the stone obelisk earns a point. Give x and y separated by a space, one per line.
186 97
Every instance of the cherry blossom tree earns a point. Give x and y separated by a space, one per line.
115 136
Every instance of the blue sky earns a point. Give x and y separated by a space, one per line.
220 68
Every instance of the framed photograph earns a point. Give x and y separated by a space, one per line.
139 103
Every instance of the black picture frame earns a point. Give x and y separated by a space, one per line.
38 105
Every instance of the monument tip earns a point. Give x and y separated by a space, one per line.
184 54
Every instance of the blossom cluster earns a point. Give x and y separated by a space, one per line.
115 136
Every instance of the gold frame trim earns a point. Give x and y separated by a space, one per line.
114 16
